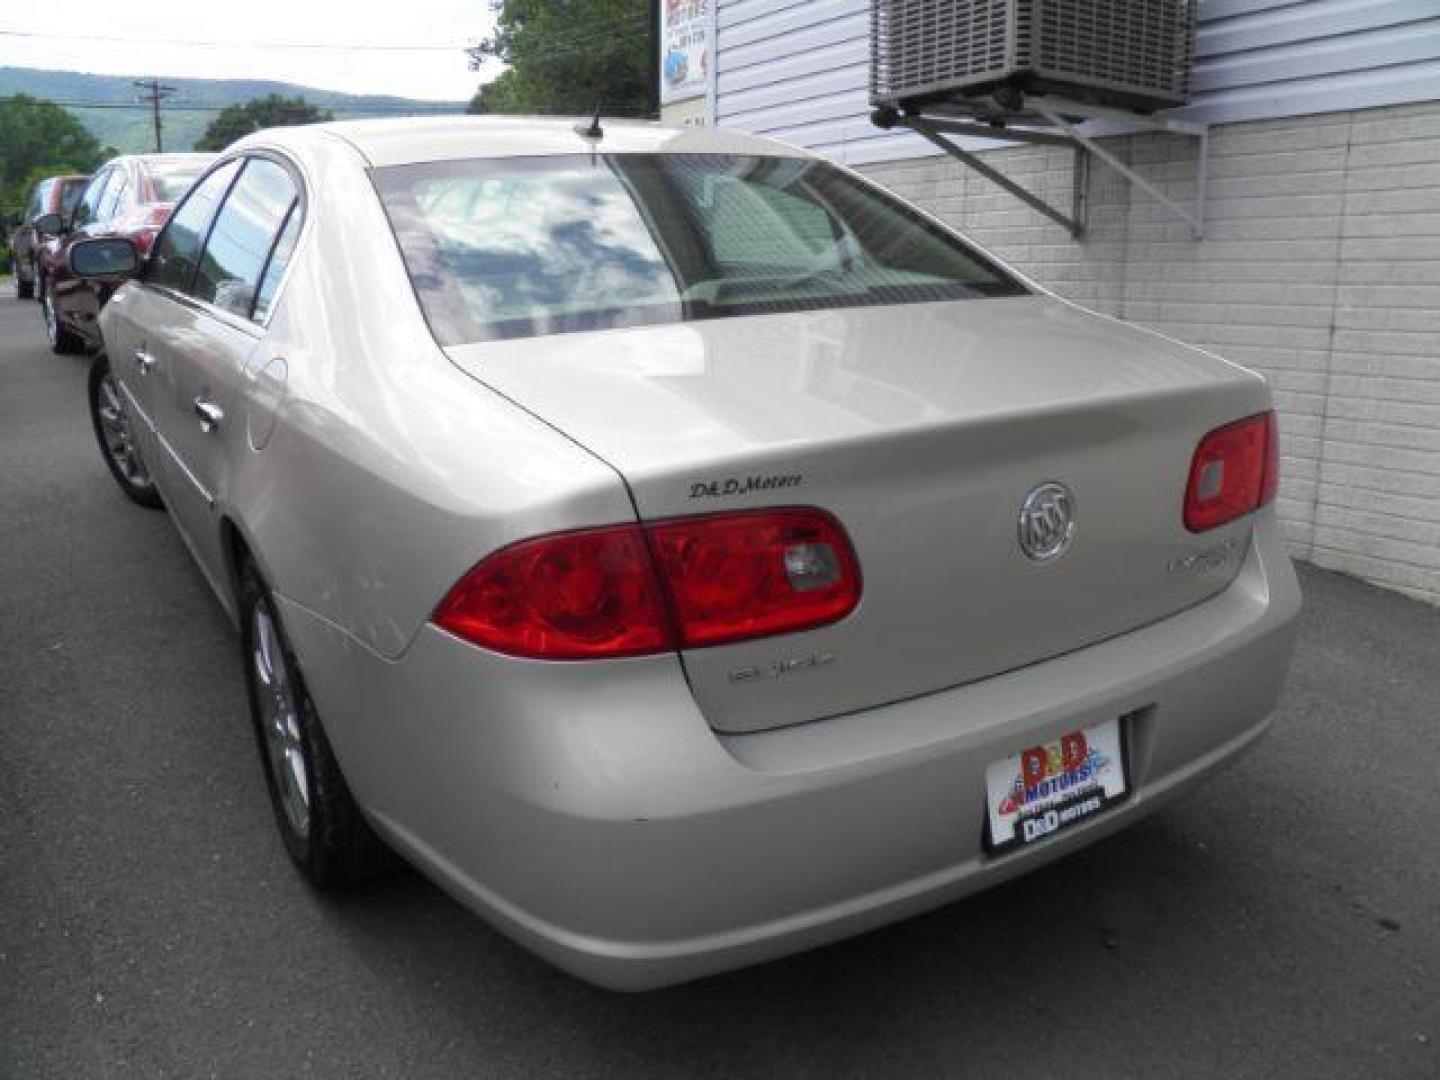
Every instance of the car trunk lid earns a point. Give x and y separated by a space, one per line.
922 428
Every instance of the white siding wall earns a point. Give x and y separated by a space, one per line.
799 71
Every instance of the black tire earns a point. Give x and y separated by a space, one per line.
114 433
24 290
335 847
62 341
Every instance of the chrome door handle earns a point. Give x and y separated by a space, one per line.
144 361
209 413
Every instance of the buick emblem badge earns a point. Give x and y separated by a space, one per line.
1047 521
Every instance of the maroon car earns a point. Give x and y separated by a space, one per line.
129 196
53 195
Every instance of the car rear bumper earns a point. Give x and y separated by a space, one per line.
589 812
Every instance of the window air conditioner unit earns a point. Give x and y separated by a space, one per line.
1133 54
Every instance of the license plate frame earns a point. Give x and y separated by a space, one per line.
1074 785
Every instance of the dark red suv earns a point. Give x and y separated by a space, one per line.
53 195
129 196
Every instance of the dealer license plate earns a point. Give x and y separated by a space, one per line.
1046 789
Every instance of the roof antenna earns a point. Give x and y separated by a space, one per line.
593 131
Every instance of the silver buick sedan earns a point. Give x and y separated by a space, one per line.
679 548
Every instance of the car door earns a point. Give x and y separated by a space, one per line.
147 320
208 345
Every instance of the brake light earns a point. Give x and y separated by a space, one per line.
144 235
1235 471
571 596
633 590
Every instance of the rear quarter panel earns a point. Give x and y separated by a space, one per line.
376 473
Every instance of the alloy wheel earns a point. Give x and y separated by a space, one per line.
52 327
279 718
119 441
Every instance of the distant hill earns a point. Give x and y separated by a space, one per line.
185 115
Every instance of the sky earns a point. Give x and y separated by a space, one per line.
249 31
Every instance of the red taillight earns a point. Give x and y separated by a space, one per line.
571 596
1236 470
734 576
155 218
596 593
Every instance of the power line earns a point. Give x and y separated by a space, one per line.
438 109
441 107
213 44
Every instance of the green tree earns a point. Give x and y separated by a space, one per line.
567 56
39 139
274 110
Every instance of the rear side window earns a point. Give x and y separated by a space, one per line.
114 196
178 249
242 237
86 209
279 260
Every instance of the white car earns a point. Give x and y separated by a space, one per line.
679 548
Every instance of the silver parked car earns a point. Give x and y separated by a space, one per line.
679 548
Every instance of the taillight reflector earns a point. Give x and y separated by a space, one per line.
1235 471
632 590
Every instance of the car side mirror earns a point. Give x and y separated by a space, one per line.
111 258
49 224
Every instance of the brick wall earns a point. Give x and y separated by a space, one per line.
1320 268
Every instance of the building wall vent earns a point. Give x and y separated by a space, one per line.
1133 54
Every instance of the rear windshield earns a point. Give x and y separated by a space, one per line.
172 179
520 247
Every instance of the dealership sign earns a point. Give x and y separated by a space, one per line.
684 49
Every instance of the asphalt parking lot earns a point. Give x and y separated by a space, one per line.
1283 921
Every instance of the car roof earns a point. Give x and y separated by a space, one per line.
167 159
409 140
147 160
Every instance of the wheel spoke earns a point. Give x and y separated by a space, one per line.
298 785
115 428
264 649
112 397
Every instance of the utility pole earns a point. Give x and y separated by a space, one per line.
156 94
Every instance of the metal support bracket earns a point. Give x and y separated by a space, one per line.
1074 224
1047 121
